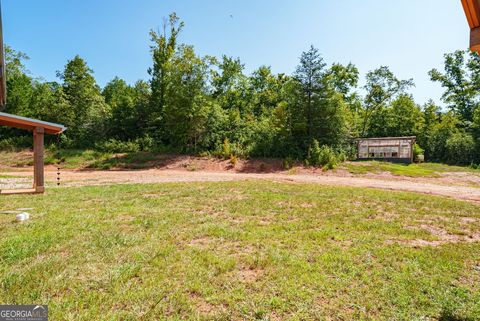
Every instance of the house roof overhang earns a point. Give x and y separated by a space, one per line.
30 124
472 11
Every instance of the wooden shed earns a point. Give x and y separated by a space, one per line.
39 129
472 11
390 149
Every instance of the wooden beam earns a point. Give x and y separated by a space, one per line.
38 161
17 191
468 13
475 39
474 10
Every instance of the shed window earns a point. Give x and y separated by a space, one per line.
385 149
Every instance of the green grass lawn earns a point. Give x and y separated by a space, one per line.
243 251
83 159
77 159
411 170
6 175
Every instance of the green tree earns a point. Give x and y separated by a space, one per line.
121 99
186 104
441 133
460 149
401 118
315 109
231 88
267 90
19 83
381 88
310 77
14 62
46 102
163 51
461 81
431 117
87 108
344 80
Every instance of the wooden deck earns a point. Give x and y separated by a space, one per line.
18 191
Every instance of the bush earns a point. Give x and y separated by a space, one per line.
64 142
348 152
288 163
418 152
143 144
341 156
225 150
322 156
233 160
15 143
460 149
146 143
117 146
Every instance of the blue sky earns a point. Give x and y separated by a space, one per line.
410 36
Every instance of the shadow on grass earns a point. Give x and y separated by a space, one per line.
449 316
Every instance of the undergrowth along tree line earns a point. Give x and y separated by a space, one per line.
209 105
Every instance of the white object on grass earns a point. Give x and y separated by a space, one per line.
23 217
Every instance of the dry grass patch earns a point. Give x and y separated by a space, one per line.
201 242
441 237
249 275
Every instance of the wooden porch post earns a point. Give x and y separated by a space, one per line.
38 161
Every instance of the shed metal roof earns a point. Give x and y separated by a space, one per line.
390 138
30 123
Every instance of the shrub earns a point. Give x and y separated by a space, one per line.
348 152
225 150
15 143
65 142
288 163
233 160
341 156
322 156
117 146
460 149
418 152
146 143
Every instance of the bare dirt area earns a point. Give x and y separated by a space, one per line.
465 179
183 173
181 168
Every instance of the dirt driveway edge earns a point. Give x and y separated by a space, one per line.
86 178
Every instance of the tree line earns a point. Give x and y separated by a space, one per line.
209 105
